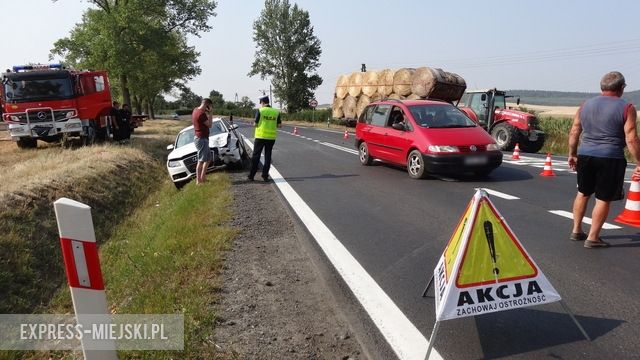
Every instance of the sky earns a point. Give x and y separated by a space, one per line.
563 45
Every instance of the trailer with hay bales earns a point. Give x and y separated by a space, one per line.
357 90
487 108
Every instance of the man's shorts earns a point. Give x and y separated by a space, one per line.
204 152
602 176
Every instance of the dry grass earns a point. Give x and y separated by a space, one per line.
40 167
162 127
112 179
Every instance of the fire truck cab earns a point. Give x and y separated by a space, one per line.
51 103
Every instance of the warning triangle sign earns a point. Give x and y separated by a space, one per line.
485 268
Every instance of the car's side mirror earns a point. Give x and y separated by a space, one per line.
170 147
398 126
233 126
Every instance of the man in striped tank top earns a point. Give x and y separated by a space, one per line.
607 124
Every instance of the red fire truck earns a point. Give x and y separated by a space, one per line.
51 103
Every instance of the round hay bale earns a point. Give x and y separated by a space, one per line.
337 113
370 84
385 82
437 84
342 86
423 81
355 84
450 89
402 81
336 108
349 107
414 97
376 97
362 103
395 96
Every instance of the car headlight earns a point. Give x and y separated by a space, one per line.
173 163
492 147
443 149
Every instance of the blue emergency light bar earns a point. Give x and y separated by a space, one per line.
36 67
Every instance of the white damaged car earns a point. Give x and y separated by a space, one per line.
225 142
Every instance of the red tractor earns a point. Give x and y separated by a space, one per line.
507 126
51 103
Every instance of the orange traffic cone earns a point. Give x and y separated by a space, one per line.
295 130
631 213
346 135
547 171
516 153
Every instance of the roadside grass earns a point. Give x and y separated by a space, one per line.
557 135
113 180
160 248
163 259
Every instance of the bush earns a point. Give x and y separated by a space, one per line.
183 111
239 112
308 115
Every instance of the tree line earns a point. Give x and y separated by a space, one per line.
143 45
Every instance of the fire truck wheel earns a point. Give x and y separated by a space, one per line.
65 141
27 143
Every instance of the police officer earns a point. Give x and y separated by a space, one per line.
266 123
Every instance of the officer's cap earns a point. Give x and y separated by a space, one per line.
264 99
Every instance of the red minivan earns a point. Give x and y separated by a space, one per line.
426 136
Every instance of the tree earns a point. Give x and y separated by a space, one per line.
188 99
216 99
288 52
246 103
142 43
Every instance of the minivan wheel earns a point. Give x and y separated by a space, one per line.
365 158
415 165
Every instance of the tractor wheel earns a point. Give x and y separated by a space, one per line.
27 143
505 135
533 146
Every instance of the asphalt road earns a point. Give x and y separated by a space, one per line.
397 228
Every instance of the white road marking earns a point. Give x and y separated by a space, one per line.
500 194
342 148
556 165
585 220
404 338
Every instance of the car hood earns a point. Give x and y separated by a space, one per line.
218 140
457 136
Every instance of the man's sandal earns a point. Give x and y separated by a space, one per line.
595 244
578 237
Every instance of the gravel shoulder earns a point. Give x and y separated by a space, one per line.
273 302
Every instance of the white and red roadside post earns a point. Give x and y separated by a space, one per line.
82 265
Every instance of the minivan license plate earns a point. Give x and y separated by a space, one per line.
475 160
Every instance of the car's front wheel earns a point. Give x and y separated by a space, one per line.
416 165
363 150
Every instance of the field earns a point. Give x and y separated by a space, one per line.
148 237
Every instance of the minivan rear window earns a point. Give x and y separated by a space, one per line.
440 116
